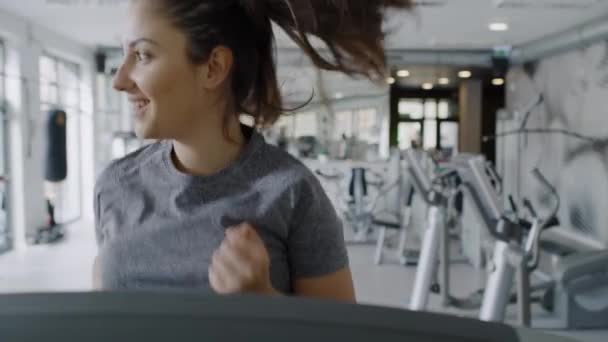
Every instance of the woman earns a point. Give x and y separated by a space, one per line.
211 205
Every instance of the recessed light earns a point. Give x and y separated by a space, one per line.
403 73
498 81
444 81
427 86
498 26
465 74
339 95
390 80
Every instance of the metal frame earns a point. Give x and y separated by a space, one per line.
429 251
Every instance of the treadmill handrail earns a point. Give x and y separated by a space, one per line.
152 316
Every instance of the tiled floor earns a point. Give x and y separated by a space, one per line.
67 267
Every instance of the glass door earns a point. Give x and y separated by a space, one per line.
428 123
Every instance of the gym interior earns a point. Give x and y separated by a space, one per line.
472 183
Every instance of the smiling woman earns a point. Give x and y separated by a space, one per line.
211 205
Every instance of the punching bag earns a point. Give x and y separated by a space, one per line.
56 163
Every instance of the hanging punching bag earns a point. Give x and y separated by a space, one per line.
56 164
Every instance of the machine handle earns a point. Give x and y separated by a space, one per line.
494 177
525 224
513 205
530 207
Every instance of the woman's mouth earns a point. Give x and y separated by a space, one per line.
140 107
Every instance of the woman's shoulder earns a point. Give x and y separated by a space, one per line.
122 168
288 169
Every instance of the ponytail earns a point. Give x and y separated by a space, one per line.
351 30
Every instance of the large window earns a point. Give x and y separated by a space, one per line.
60 88
364 124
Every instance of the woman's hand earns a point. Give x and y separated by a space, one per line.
241 264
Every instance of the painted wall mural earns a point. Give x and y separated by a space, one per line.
574 90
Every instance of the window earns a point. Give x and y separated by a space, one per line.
286 123
60 88
368 126
449 136
443 109
411 109
343 124
409 134
305 124
430 109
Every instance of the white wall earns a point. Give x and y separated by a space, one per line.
26 42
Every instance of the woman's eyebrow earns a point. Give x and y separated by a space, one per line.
135 42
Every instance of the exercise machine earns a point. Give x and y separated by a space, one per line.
443 194
355 205
437 199
395 214
575 293
512 257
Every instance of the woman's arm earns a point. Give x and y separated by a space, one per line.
336 286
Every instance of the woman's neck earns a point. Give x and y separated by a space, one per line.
209 151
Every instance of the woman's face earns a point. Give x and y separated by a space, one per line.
166 91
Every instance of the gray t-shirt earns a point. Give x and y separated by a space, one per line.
157 228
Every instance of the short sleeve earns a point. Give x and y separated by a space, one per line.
316 244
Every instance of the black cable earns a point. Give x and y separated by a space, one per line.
589 139
529 112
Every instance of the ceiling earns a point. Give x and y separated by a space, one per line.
438 24
434 25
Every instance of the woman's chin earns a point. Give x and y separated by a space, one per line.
143 132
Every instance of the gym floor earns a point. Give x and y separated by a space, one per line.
67 267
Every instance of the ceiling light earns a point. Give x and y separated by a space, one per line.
465 74
427 86
390 80
498 81
444 81
339 95
403 73
499 26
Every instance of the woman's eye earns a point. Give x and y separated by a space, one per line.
142 56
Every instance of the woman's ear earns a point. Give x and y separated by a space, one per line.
218 67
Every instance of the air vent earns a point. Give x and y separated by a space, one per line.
557 4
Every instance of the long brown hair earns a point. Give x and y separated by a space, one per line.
350 29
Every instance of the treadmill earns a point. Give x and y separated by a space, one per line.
188 316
